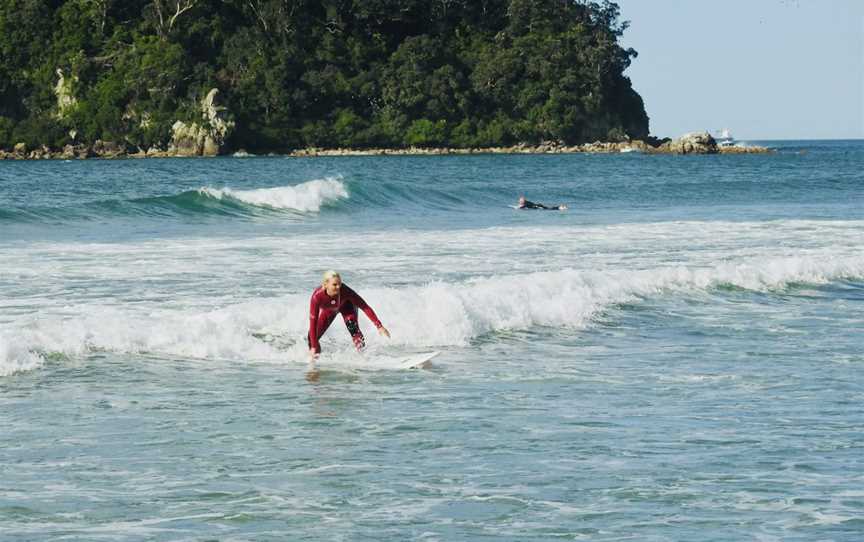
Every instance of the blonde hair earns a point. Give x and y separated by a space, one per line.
329 274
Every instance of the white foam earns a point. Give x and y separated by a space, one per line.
216 334
305 197
432 315
15 357
441 314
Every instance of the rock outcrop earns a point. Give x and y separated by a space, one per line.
204 139
66 100
742 149
71 152
187 139
692 143
219 121
108 149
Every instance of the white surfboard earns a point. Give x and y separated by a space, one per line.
418 361
375 362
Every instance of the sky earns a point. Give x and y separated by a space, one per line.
764 69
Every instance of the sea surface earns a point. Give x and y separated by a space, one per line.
679 356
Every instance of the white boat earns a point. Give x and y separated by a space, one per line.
724 138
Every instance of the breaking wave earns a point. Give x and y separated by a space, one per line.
307 197
440 314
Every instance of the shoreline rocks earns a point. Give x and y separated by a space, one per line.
192 140
694 143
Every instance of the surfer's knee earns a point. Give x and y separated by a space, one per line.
356 334
353 326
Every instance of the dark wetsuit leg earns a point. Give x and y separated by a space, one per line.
349 314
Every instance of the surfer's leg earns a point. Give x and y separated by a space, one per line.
349 314
324 321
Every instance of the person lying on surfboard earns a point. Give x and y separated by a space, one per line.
525 204
330 299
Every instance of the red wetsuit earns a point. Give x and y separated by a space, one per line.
323 309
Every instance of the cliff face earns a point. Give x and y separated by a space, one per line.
208 137
313 73
66 100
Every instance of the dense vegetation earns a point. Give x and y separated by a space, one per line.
326 73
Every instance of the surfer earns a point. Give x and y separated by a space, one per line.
525 204
330 299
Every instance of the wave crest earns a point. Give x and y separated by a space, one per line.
306 197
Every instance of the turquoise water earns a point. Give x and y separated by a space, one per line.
677 357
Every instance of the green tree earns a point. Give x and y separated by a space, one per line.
320 72
425 133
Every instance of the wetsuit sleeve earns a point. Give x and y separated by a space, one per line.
360 303
313 322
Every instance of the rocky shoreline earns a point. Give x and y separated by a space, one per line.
694 143
701 143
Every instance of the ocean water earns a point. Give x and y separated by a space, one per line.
677 357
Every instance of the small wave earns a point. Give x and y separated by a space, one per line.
307 197
440 314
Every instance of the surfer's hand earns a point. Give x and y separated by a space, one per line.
383 331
